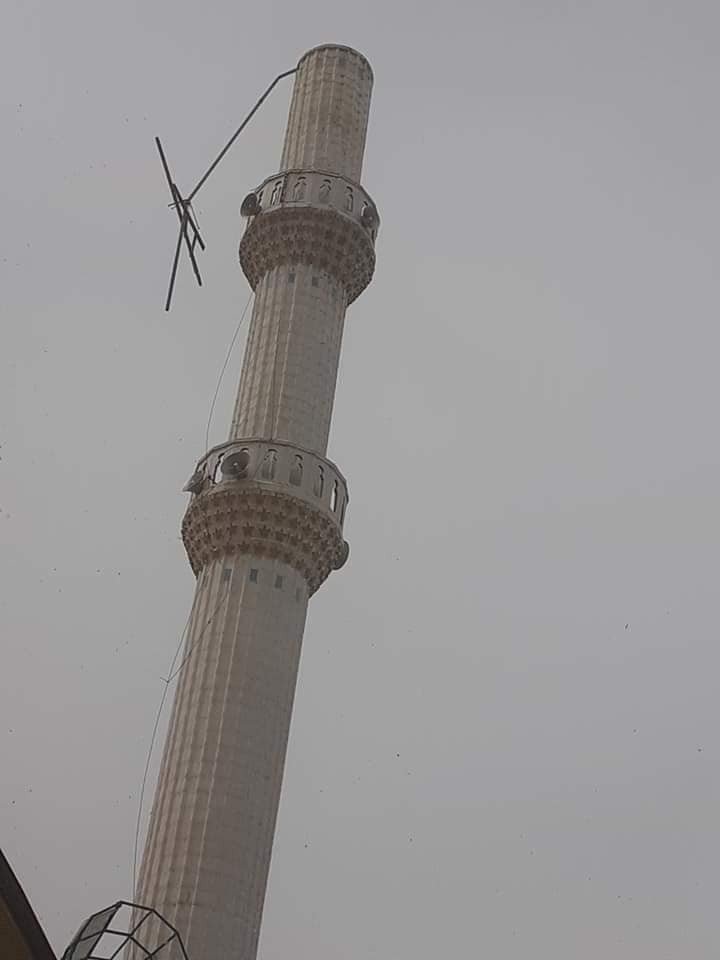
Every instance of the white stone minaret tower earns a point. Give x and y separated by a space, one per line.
264 527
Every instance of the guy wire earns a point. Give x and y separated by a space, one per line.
172 674
224 368
173 671
149 754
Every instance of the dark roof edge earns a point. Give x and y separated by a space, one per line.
22 913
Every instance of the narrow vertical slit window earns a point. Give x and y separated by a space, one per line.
267 471
296 471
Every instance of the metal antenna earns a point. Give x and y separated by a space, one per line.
189 231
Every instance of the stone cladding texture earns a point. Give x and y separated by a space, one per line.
316 236
291 358
329 112
210 836
245 518
258 554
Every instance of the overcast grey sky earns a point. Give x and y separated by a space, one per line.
505 741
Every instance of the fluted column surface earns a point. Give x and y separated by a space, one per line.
209 843
291 360
208 853
329 112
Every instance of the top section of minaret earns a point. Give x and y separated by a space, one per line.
329 112
314 211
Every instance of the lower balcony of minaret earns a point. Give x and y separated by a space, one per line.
267 499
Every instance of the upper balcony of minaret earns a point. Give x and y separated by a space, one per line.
312 217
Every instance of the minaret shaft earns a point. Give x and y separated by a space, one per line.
263 528
208 851
328 118
292 352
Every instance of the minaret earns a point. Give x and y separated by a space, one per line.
264 526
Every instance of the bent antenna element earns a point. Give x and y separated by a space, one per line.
189 231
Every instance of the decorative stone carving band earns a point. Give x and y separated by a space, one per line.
267 498
247 517
311 217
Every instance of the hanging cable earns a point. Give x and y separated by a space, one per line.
172 674
224 368
149 754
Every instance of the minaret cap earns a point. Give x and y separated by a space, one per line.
337 46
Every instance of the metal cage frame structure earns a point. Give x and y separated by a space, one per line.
84 945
